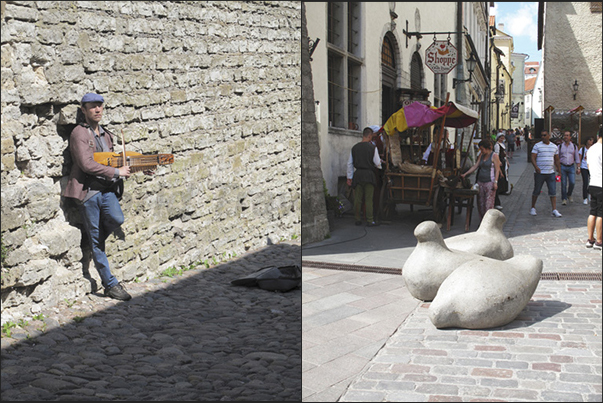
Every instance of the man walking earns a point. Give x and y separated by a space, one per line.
545 158
510 140
568 157
364 157
595 220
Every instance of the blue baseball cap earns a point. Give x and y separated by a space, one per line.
92 97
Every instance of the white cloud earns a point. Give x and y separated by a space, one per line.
522 21
494 10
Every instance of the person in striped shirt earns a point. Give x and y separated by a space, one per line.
545 159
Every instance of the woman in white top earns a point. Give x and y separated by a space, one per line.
584 168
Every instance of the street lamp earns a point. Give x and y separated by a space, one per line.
575 88
470 66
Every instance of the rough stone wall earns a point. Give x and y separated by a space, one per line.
314 220
217 84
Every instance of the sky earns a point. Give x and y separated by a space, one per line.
521 22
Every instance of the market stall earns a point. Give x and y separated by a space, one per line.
410 131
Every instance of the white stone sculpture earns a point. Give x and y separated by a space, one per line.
489 239
430 262
484 293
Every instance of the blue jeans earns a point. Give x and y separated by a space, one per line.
567 172
102 215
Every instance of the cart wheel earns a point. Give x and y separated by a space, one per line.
439 204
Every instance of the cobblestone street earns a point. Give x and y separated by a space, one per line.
190 337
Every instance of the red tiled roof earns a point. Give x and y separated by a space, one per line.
492 18
529 84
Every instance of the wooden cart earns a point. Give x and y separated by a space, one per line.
423 188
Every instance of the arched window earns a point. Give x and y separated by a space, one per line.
389 103
387 53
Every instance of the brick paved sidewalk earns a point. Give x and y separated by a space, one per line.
551 352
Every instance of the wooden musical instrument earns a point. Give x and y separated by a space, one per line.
136 161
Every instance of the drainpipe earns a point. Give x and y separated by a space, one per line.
460 88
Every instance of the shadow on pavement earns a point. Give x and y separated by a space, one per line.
194 337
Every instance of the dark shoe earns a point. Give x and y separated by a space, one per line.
358 223
590 243
598 246
372 224
118 292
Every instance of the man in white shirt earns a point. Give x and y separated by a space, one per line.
596 194
545 158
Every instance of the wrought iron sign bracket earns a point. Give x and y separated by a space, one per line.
312 44
419 35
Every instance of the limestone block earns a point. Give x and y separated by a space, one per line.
60 238
484 292
489 239
430 262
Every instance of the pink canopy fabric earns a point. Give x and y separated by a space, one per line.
418 114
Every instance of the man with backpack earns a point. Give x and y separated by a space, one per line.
568 157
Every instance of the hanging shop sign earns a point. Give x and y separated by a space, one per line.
515 111
441 57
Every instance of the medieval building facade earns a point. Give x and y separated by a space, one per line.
570 38
370 61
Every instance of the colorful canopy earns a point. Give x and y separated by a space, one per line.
418 114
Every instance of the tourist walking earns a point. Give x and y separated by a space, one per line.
568 157
503 185
545 159
510 142
584 168
594 222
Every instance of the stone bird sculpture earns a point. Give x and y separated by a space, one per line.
484 293
489 239
430 262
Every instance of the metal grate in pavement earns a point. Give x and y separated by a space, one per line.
549 276
351 267
388 270
580 276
